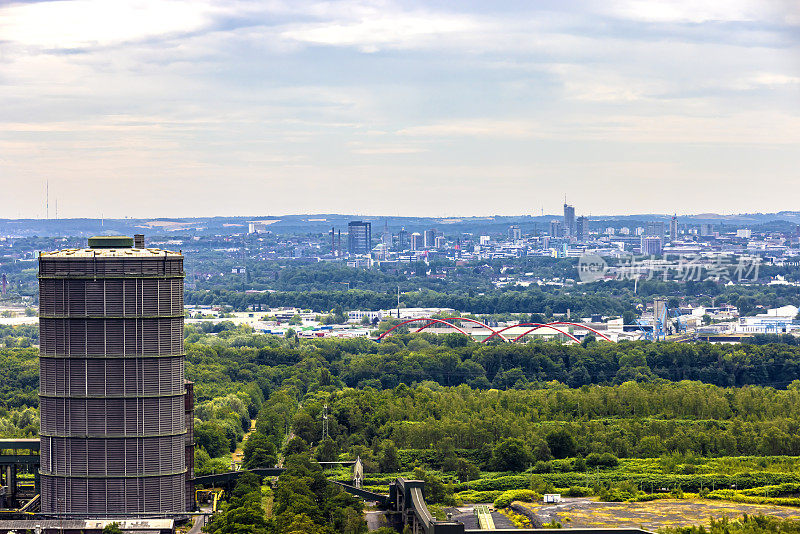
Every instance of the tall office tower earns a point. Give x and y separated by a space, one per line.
359 237
655 229
556 228
514 232
386 238
112 396
673 229
569 220
402 239
440 242
430 238
706 230
581 229
416 241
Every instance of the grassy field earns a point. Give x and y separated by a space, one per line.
669 491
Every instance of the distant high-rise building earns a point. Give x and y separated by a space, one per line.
581 229
416 241
556 228
359 237
651 245
706 230
113 401
430 238
514 232
402 239
440 241
257 227
569 220
624 231
386 238
673 229
655 229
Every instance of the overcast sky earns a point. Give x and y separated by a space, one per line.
179 108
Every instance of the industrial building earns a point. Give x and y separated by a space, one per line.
113 400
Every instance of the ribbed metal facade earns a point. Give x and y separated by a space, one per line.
112 395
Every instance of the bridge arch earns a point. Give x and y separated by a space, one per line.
486 326
579 325
538 326
554 323
430 322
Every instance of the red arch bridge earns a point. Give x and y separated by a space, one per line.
556 327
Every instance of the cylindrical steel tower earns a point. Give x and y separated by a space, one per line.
113 423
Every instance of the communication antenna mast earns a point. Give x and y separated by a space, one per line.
325 422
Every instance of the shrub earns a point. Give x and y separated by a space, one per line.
602 460
507 497
472 496
578 491
543 467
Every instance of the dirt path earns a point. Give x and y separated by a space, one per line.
238 455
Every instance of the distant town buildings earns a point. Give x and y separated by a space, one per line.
567 236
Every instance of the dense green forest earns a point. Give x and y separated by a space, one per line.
475 421
605 298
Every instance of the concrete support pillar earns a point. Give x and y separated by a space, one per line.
12 481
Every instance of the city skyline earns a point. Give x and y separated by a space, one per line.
174 108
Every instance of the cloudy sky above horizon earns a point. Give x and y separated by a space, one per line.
198 107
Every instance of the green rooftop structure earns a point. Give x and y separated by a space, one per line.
111 241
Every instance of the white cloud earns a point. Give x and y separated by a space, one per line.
375 29
79 23
266 95
472 128
695 11
768 78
